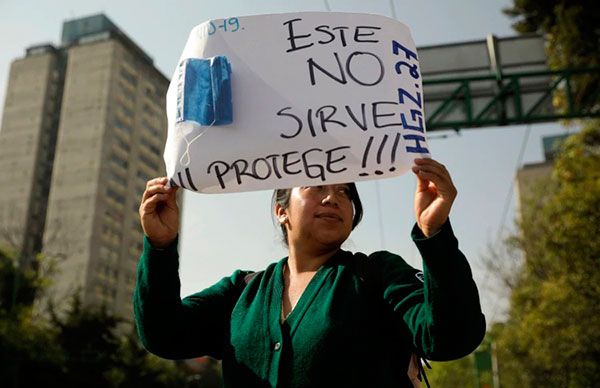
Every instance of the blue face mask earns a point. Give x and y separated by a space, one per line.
204 91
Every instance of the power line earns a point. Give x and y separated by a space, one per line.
507 201
510 192
327 7
393 8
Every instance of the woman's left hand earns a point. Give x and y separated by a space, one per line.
434 195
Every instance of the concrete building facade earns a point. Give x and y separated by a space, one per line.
27 141
533 176
108 142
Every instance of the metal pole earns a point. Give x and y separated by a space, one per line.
476 371
495 374
496 69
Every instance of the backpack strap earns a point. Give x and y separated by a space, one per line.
250 276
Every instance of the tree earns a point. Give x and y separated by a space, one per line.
458 373
552 330
573 38
89 344
17 287
82 347
25 345
142 369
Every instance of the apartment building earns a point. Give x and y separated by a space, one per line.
84 128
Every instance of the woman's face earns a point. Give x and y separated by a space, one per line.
319 215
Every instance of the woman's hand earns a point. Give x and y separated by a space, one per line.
159 213
434 195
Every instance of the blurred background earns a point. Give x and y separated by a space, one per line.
512 103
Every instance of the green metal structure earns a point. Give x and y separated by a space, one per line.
509 99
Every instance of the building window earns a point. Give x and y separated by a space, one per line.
110 193
150 90
113 217
111 235
130 97
107 254
152 165
129 76
122 144
148 109
154 149
118 160
143 176
121 125
118 179
127 112
147 126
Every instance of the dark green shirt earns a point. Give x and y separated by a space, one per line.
355 325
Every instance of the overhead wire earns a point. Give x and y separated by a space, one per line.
393 9
505 210
510 193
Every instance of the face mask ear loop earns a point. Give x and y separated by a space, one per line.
186 154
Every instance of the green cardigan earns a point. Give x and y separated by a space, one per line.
355 325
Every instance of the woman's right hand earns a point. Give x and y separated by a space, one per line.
159 213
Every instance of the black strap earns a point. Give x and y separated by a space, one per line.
422 370
250 276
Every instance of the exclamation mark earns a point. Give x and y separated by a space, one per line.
394 149
379 152
365 156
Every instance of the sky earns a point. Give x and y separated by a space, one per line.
224 232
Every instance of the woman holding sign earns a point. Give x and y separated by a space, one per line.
321 316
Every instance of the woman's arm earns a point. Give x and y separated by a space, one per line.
441 306
442 313
168 326
173 328
159 213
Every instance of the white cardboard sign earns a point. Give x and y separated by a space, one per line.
316 98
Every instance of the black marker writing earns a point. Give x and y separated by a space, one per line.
314 163
325 35
188 175
383 114
380 154
342 71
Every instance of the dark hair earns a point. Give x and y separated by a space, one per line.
281 197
